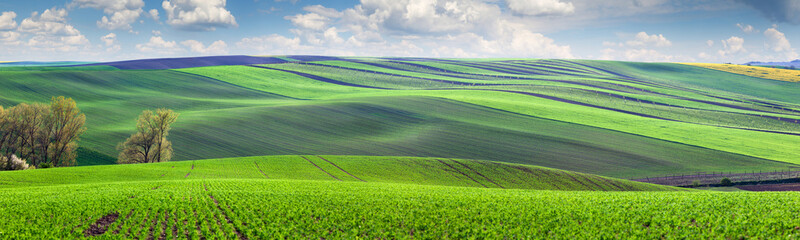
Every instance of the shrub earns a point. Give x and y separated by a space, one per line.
13 163
695 184
725 182
45 165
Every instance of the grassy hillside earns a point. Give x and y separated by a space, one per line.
610 118
407 170
300 197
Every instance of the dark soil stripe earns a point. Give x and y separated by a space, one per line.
187 174
323 170
460 172
235 229
476 172
259 169
101 225
337 166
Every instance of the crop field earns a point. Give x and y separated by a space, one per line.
319 147
615 119
789 75
370 197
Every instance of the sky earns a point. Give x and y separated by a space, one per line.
716 31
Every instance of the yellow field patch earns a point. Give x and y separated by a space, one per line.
753 71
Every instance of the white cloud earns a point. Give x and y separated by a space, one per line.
156 33
10 38
159 46
198 15
777 42
110 42
120 14
642 39
216 48
540 7
732 46
272 44
311 21
7 21
710 43
51 32
109 39
746 28
153 13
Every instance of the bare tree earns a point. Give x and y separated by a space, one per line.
149 144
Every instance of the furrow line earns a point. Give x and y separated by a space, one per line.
323 170
460 172
337 166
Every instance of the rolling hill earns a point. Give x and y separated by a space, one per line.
368 197
618 119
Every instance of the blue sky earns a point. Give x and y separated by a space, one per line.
631 30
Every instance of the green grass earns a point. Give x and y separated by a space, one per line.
234 111
406 170
402 198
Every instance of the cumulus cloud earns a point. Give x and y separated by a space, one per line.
746 28
777 10
159 46
51 32
643 39
109 39
216 48
710 43
272 44
110 42
777 42
540 7
198 15
311 21
153 13
7 21
119 13
731 46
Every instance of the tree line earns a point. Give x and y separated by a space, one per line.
46 135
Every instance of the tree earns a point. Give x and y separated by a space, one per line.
62 131
149 144
42 133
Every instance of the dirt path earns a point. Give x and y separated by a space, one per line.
323 170
337 166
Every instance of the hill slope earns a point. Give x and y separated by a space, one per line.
407 170
265 198
610 118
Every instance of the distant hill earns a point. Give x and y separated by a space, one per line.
795 64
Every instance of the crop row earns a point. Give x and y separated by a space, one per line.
270 209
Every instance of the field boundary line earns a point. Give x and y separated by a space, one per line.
462 173
323 170
337 166
259 169
476 172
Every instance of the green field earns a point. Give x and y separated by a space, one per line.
410 148
370 197
615 119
